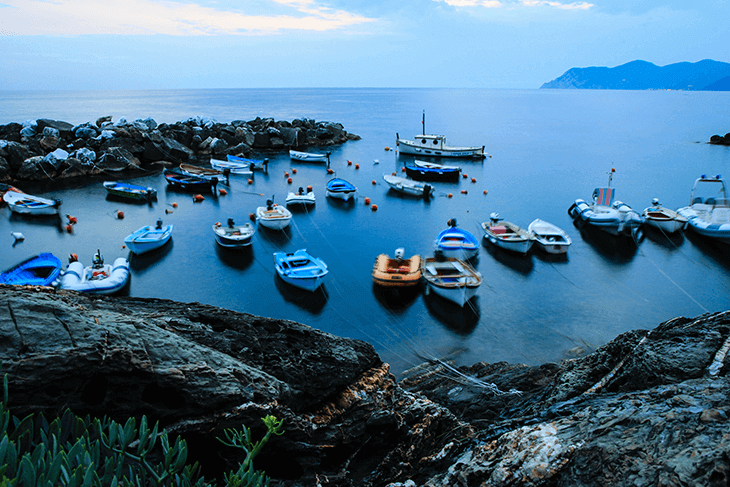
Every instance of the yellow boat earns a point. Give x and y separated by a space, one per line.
397 272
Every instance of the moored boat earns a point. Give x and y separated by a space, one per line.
130 191
662 218
301 197
408 186
339 188
709 211
148 238
251 164
551 238
189 182
456 242
451 278
40 270
273 216
27 204
98 278
308 156
429 171
435 146
507 235
397 271
232 235
300 269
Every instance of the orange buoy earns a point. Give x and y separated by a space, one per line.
403 169
72 219
222 192
250 181
387 148
329 170
198 198
217 224
473 180
394 173
120 214
70 228
252 217
294 171
289 180
286 174
465 175
357 166
374 182
174 205
485 191
349 163
451 195
73 258
168 211
374 207
124 246
463 191
309 188
367 201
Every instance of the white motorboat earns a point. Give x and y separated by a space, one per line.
551 238
662 218
408 186
507 235
709 211
300 269
27 204
273 216
451 278
301 197
308 157
232 235
98 278
148 238
435 146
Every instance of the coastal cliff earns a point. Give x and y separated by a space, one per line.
649 408
46 150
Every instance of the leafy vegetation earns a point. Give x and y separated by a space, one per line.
72 451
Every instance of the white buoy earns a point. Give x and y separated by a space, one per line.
18 236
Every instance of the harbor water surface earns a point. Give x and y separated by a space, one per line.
547 147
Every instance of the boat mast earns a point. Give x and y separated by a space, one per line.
423 122
610 176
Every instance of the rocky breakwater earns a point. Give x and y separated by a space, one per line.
43 149
720 139
650 408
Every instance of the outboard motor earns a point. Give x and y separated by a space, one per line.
399 253
158 226
494 218
98 260
301 190
427 190
269 205
230 222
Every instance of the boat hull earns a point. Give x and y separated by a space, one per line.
187 182
452 279
428 174
86 279
300 199
307 157
41 270
236 236
300 269
148 238
618 219
664 219
130 191
239 168
406 146
457 243
276 218
340 189
550 238
708 222
26 204
389 272
408 187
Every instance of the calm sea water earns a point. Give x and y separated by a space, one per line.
548 148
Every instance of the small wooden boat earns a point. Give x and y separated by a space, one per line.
507 235
408 186
339 188
252 164
451 278
98 278
130 191
232 235
300 197
709 211
435 146
148 238
664 219
456 242
273 216
231 167
308 157
429 171
26 204
549 237
189 182
397 272
41 270
204 172
300 269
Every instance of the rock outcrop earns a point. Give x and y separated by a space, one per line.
649 408
30 151
720 139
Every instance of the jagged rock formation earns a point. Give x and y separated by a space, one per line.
720 139
49 149
649 408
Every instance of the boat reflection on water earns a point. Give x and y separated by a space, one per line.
395 299
313 302
141 263
237 258
711 247
522 264
615 248
461 320
668 240
54 221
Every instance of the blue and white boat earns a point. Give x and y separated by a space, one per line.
308 156
27 204
507 235
251 164
189 182
232 235
429 171
339 188
148 238
41 270
457 243
709 211
130 191
98 278
300 269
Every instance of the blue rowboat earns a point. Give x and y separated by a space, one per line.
250 164
339 188
300 269
456 243
148 238
40 270
180 179
428 171
130 191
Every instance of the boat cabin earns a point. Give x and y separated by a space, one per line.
433 142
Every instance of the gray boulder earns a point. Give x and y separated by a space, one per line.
36 168
118 159
5 174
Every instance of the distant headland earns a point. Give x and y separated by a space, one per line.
705 75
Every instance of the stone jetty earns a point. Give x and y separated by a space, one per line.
649 408
44 150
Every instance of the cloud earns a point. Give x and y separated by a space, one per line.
514 3
134 17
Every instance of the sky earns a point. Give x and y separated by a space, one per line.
499 44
